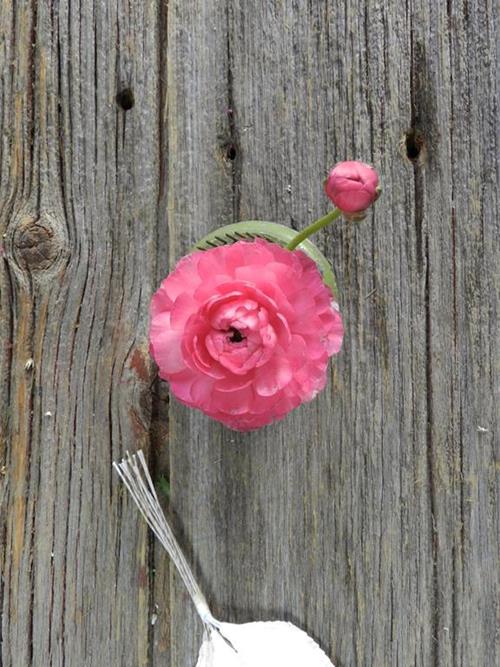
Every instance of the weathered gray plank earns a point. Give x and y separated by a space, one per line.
83 176
456 105
367 517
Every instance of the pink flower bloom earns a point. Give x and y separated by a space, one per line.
352 186
243 332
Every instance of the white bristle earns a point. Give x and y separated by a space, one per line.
134 473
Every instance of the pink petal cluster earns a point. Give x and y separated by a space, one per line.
352 186
243 332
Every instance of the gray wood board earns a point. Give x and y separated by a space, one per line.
367 517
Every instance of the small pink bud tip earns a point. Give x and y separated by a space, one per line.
352 186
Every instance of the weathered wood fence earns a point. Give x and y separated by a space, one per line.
369 517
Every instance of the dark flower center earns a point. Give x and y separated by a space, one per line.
236 336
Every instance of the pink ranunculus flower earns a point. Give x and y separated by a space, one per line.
352 186
243 332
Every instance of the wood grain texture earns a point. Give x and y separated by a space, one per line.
368 517
76 587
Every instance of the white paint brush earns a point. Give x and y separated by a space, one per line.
257 644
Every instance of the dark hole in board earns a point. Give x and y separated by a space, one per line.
231 152
125 99
414 143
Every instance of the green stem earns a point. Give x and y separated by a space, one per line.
313 228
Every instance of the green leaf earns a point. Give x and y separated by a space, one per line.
271 231
163 486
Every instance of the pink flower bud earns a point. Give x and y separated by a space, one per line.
352 186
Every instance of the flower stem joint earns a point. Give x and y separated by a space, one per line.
244 326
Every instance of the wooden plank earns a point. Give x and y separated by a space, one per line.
80 192
455 105
359 517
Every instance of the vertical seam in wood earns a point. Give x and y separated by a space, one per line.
422 250
8 352
430 456
29 439
233 129
156 412
455 610
30 97
3 558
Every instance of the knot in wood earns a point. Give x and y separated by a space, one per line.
36 244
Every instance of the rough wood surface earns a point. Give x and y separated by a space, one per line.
367 517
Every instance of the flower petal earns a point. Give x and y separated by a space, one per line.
243 332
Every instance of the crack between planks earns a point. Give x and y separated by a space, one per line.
29 435
233 128
159 408
3 543
424 263
435 621
456 560
159 411
423 266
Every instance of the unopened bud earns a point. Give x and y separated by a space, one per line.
352 186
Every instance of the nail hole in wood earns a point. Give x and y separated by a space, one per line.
414 146
231 152
125 99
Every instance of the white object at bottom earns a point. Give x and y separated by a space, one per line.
260 644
